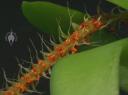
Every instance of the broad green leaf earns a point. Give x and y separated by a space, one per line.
93 72
121 3
45 16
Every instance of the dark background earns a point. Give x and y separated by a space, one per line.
11 17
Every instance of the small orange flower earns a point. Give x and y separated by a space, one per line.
83 25
42 63
21 87
73 50
67 42
97 23
27 78
60 50
34 70
51 58
75 36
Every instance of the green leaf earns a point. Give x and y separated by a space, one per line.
121 3
124 69
93 72
44 16
124 78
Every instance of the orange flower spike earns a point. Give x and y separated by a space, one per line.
9 92
51 58
73 50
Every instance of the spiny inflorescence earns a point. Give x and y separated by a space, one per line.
68 46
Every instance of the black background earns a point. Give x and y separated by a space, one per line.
11 17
